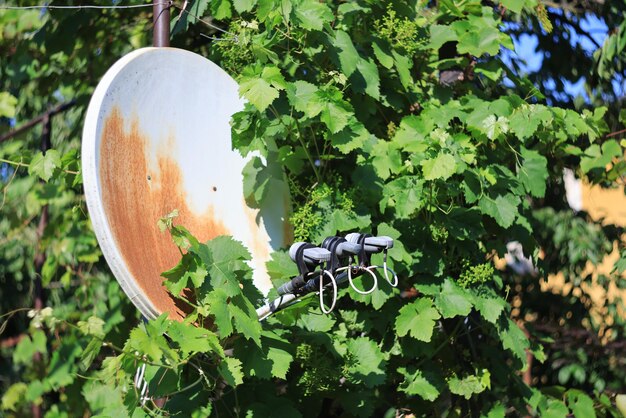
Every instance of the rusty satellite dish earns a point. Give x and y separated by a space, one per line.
157 138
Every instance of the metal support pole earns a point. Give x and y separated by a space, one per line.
161 23
40 256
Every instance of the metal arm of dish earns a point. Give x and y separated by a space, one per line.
288 299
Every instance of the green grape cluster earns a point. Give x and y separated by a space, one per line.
319 374
542 16
322 201
478 274
307 217
235 51
391 130
401 33
439 233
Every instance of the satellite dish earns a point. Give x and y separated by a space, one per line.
157 138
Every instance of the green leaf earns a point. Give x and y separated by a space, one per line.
301 94
440 34
387 159
312 14
382 54
417 319
28 346
280 267
369 71
317 323
493 126
515 6
150 345
478 36
513 338
352 137
93 326
230 370
256 180
525 120
262 90
43 165
245 319
258 92
441 167
193 339
281 360
533 173
7 105
348 55
497 411
464 224
335 115
472 189
243 5
490 307
600 158
366 363
14 396
503 208
104 399
225 259
90 352
554 409
404 195
417 383
453 300
580 404
217 303
469 385
335 112
403 65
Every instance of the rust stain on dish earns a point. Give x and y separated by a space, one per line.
135 198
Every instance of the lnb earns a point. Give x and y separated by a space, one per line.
312 255
371 244
341 247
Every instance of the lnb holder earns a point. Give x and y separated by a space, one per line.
330 264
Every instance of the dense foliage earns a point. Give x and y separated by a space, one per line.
393 117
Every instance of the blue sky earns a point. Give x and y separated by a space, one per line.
525 48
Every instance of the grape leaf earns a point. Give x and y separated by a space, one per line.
192 339
503 208
243 5
417 383
404 195
533 172
43 165
230 370
441 167
453 300
417 319
366 363
312 14
348 55
580 404
490 307
513 338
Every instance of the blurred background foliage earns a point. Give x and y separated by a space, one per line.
51 57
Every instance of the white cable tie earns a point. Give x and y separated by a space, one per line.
395 276
334 283
139 375
143 397
356 289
